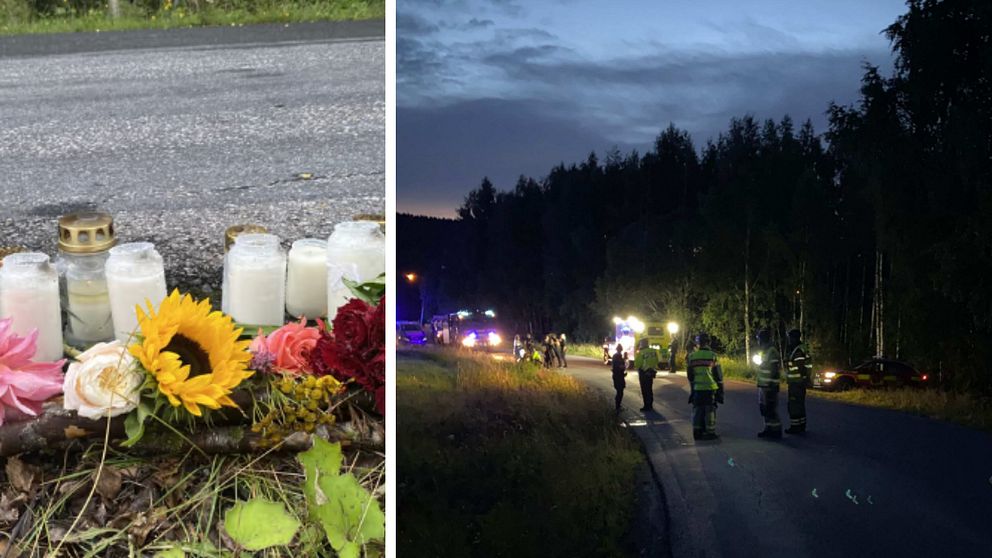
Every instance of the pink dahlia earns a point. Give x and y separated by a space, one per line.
25 384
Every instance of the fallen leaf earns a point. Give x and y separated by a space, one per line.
109 484
21 475
259 524
8 510
72 432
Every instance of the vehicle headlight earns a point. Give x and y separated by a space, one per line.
757 359
494 338
829 374
469 341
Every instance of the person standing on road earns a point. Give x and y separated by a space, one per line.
559 356
769 373
646 362
672 348
797 376
564 361
619 366
518 348
706 385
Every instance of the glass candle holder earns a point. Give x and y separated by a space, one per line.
306 279
255 275
29 295
356 250
84 241
135 277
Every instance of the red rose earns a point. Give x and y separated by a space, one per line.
380 400
351 330
377 329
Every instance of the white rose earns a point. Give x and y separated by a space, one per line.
103 382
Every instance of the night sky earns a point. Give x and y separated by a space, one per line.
501 88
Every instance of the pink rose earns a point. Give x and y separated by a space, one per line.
289 347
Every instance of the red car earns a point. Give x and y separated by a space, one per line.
876 372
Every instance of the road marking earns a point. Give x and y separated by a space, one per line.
851 497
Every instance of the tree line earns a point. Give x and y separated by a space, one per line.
874 237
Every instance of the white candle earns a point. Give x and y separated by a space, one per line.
356 251
306 279
135 277
256 280
29 295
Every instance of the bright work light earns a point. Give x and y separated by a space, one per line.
757 359
673 328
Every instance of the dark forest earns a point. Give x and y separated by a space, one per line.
873 236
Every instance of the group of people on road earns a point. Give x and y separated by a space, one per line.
550 352
705 378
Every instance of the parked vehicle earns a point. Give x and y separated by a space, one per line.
411 333
875 372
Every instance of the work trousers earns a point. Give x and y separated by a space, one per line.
703 412
768 405
797 405
646 377
619 384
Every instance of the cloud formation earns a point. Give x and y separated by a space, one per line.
500 91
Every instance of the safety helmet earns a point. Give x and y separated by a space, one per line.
795 336
764 336
702 339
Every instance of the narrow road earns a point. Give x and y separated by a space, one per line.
861 482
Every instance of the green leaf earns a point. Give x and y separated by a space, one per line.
351 517
258 524
323 459
349 514
174 552
369 291
134 423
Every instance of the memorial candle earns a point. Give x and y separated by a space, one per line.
84 241
356 251
29 295
306 279
135 277
255 272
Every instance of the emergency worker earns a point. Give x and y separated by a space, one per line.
646 362
517 348
564 361
618 364
797 376
556 347
706 385
672 347
769 373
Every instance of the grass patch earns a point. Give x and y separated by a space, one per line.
965 409
18 16
590 350
503 459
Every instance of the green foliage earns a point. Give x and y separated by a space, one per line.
500 459
369 291
259 524
59 16
349 514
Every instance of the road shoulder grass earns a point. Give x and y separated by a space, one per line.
17 17
500 459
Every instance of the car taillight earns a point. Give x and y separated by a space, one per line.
924 376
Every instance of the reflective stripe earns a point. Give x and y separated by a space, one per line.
864 376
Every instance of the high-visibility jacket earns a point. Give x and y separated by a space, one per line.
769 371
798 364
647 359
703 370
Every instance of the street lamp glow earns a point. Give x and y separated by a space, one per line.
617 320
411 277
673 328
757 359
635 324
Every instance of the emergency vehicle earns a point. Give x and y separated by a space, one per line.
469 329
630 331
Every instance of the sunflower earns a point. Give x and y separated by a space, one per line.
193 352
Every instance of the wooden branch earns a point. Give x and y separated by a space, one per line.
58 429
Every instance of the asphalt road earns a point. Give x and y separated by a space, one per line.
922 487
182 133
